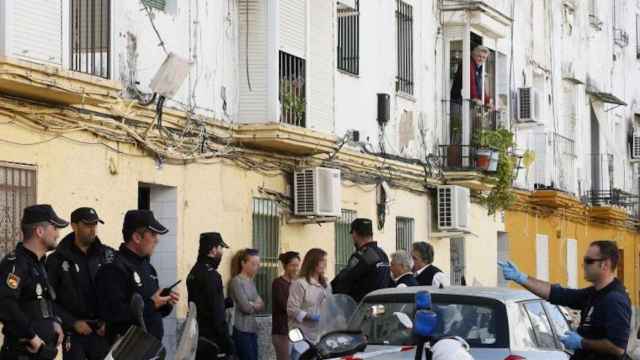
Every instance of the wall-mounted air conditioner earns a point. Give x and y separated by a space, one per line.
528 108
317 192
635 145
454 204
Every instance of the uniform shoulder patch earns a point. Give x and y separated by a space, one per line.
13 281
109 255
353 262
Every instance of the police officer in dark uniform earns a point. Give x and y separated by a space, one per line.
72 272
605 307
368 267
129 272
30 326
204 285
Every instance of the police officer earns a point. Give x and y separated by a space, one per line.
72 272
204 285
368 267
605 307
31 329
129 272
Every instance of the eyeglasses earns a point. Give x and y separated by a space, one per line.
589 261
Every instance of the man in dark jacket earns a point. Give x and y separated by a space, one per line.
605 307
72 272
367 269
131 272
204 285
401 266
425 272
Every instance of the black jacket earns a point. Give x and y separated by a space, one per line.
116 282
367 270
204 285
26 298
426 276
407 279
72 274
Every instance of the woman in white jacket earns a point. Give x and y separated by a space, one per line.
307 294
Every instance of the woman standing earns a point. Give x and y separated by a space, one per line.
244 268
280 295
307 294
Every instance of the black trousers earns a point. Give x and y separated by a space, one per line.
13 350
89 347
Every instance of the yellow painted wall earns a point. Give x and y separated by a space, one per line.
523 227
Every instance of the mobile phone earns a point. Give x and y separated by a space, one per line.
166 291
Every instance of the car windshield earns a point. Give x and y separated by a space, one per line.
478 324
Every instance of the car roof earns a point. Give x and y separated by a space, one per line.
503 295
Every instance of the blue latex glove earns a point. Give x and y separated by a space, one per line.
511 272
571 340
315 317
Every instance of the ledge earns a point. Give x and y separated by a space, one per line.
553 199
474 180
608 213
54 85
284 138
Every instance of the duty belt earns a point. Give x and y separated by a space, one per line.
38 309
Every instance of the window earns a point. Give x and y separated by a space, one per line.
292 89
559 322
404 17
349 39
405 228
155 4
457 259
17 191
90 37
637 36
482 323
541 326
344 244
266 238
542 257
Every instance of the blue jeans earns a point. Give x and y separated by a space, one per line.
246 345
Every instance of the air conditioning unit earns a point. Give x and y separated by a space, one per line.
346 4
317 192
635 145
528 105
454 204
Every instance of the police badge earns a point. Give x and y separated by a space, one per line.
39 291
65 266
13 281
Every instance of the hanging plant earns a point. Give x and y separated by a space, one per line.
500 197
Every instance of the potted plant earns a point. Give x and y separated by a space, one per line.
487 155
501 197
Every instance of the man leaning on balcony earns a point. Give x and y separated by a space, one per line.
479 57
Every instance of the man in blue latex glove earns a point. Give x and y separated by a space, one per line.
605 307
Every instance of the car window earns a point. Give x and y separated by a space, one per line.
558 320
476 323
525 336
541 325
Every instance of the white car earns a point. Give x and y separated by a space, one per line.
498 323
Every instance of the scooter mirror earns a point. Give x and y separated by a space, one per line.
404 319
295 335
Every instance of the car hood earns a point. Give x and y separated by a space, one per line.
386 352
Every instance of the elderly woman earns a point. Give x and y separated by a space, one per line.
401 266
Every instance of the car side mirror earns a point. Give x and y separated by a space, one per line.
295 335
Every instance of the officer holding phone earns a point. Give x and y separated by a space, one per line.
129 272
72 271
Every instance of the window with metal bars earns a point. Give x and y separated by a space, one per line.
344 244
405 231
266 238
17 191
156 4
404 23
90 37
349 39
292 90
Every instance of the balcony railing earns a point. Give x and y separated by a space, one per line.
613 197
480 118
456 157
292 90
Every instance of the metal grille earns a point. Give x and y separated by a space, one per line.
304 192
344 244
404 17
405 230
445 207
292 90
17 191
91 37
156 4
266 238
458 264
349 39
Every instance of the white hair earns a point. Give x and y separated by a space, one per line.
480 49
403 259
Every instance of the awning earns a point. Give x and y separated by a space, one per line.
606 97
